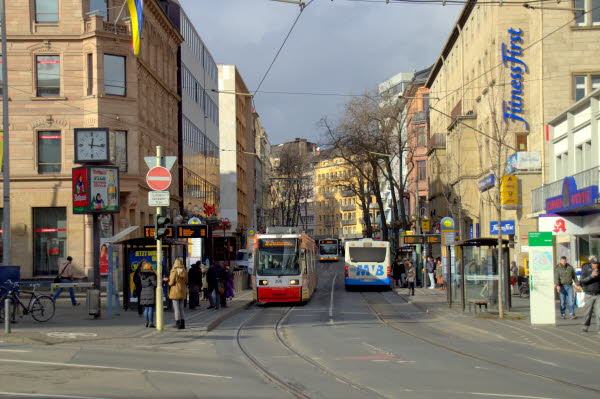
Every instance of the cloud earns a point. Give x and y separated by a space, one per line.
337 46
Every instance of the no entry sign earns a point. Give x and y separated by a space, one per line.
158 178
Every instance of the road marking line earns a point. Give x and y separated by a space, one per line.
331 300
14 350
501 395
543 361
48 395
91 366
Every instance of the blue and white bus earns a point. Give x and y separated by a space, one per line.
368 263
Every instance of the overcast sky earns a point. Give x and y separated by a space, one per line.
338 46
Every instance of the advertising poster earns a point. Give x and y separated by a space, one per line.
136 257
104 190
541 279
81 197
106 232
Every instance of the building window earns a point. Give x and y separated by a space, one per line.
46 10
49 240
562 166
99 7
521 142
422 170
591 16
48 75
114 75
49 152
422 136
121 150
584 84
90 74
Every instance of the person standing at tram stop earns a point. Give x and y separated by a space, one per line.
65 275
398 271
439 273
147 297
195 283
514 277
178 291
564 277
590 283
212 285
411 277
430 268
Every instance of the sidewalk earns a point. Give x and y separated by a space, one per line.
73 325
515 327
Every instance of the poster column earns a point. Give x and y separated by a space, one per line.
541 279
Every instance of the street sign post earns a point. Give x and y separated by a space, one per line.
159 198
158 178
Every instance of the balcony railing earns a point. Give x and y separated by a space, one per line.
350 207
541 194
329 195
347 193
97 24
348 222
437 140
420 117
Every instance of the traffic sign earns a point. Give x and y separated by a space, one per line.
158 178
159 198
166 162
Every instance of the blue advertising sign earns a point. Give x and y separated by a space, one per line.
571 197
512 110
487 182
508 227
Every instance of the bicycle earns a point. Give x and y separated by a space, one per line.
40 307
524 289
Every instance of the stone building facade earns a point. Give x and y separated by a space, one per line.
503 73
70 69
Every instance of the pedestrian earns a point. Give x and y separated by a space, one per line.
195 285
430 267
178 291
65 275
564 277
222 277
590 283
229 288
398 271
439 274
147 296
411 277
204 269
137 288
212 282
514 277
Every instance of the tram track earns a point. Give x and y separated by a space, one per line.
390 324
279 381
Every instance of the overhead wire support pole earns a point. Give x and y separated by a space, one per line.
159 256
6 258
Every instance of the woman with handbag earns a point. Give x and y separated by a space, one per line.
178 291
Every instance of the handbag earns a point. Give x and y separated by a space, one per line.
221 287
57 278
581 299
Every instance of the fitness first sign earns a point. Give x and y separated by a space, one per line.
512 57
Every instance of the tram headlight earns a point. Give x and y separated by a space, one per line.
263 282
294 282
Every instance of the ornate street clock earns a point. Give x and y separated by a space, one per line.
92 146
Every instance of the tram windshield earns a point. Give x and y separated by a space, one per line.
277 257
328 248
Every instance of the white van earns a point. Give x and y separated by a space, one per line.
243 259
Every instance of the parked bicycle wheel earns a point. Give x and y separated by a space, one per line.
42 308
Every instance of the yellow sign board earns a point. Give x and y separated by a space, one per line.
509 191
425 225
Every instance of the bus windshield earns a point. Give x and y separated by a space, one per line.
328 249
367 254
277 257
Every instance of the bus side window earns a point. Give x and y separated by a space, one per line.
303 260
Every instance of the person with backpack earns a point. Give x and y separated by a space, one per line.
178 279
147 297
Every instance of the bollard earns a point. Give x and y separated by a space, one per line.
6 316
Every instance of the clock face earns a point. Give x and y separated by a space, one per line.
91 145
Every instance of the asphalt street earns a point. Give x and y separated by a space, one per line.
339 345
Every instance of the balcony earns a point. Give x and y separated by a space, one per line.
329 195
437 140
347 193
348 222
583 180
97 24
351 207
420 117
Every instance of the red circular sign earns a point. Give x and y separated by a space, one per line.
158 178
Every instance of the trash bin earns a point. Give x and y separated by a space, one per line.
93 302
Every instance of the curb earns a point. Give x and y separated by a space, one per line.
215 323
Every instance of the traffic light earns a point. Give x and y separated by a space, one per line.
160 226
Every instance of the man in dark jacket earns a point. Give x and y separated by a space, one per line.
212 281
222 276
590 282
564 277
430 266
195 285
399 271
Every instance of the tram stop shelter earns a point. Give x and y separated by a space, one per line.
474 278
135 250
